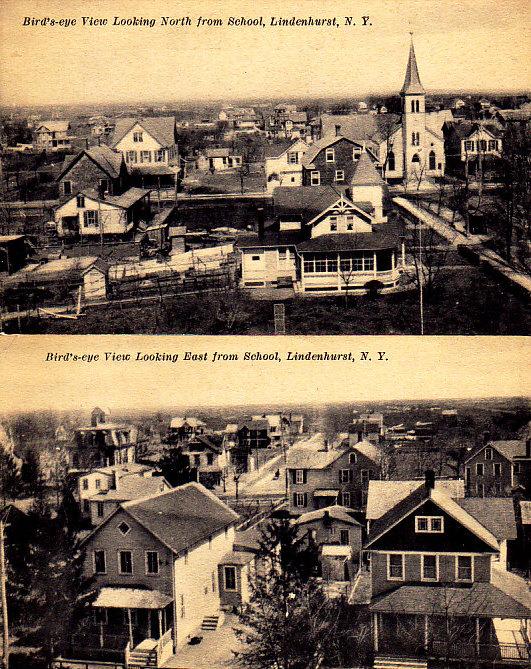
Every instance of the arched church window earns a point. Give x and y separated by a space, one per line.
391 164
413 106
431 159
417 106
416 158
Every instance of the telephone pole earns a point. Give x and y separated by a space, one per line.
3 579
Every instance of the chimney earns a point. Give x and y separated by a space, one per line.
325 445
338 130
261 222
327 521
430 479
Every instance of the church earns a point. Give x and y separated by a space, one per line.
407 147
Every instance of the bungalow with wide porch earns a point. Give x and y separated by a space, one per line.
440 590
154 567
327 240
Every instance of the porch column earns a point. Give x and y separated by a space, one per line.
374 263
159 612
338 272
130 625
477 636
426 635
149 623
375 631
403 249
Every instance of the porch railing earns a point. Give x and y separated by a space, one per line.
460 651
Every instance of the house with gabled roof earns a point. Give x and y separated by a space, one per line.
183 428
283 163
218 160
52 136
92 214
331 161
321 474
207 456
149 147
326 239
439 586
497 468
468 143
99 167
337 536
153 564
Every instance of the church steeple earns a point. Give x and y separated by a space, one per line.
412 85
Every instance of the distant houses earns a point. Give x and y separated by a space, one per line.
497 468
218 160
52 136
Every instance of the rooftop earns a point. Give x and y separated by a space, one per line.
382 236
131 598
182 517
336 512
383 495
161 128
107 159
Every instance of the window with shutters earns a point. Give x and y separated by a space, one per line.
300 476
345 499
300 499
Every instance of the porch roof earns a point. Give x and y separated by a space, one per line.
325 492
131 598
481 599
383 236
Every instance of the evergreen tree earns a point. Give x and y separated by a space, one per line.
175 467
289 620
30 470
9 477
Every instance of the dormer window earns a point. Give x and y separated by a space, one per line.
429 524
330 156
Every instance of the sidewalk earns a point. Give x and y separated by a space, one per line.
455 238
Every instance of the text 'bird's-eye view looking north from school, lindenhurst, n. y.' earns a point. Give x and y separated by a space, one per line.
382 195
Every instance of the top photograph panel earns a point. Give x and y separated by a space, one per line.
281 168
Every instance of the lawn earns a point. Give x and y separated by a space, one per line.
467 302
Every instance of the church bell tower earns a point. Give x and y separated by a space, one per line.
413 119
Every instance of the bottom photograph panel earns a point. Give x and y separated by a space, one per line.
275 503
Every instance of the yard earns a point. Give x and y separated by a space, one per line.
467 302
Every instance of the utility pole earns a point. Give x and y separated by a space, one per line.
421 280
3 579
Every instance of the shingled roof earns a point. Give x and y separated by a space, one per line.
382 236
161 128
494 513
107 159
336 511
182 517
383 495
365 173
305 201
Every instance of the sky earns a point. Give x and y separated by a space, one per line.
435 368
460 44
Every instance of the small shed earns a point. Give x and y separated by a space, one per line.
13 252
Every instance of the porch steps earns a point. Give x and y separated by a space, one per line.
388 662
142 659
211 623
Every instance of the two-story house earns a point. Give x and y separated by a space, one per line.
101 444
321 474
326 240
283 163
103 479
439 588
207 456
154 563
498 467
99 167
52 136
367 426
122 488
469 143
149 147
91 214
183 428
338 537
331 161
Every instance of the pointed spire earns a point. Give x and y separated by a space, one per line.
412 85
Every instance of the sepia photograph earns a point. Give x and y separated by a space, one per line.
280 167
321 517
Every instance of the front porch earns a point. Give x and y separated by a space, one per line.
448 638
127 625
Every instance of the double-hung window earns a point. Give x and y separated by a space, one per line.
293 158
152 563
125 562
497 469
315 177
299 476
90 217
464 568
330 156
340 176
137 137
395 566
480 469
230 578
100 566
430 568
